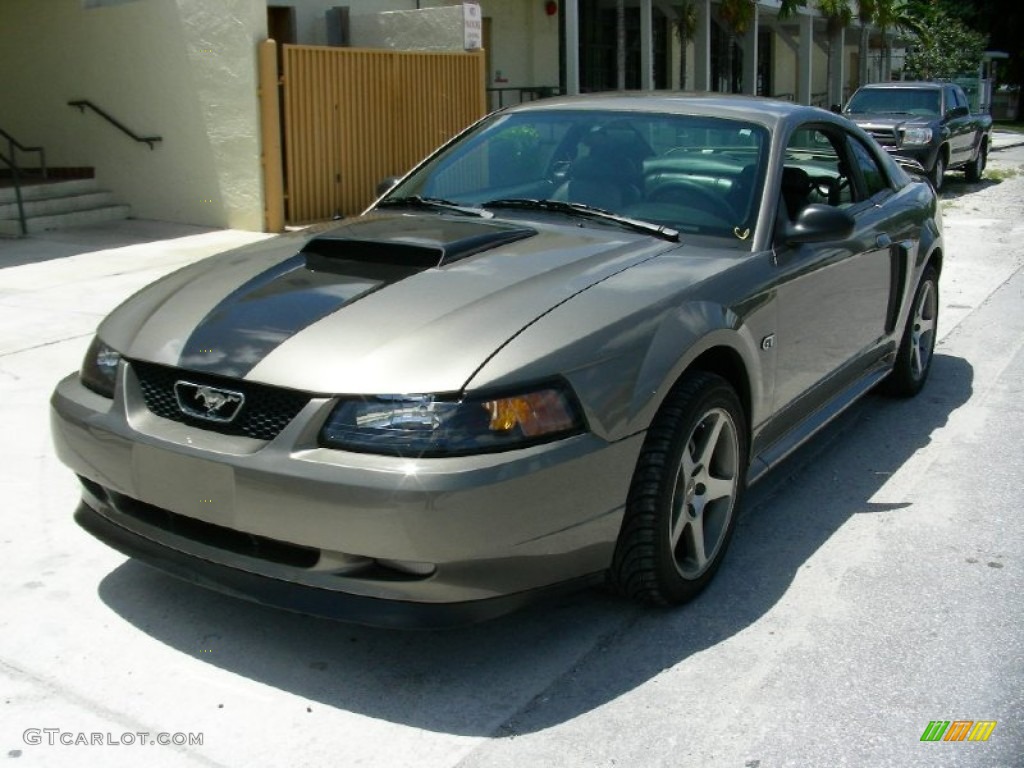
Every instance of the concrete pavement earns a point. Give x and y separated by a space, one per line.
1002 139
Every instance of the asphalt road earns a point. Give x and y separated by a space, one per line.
874 585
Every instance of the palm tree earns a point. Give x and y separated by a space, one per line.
866 10
737 15
838 16
892 15
788 7
685 28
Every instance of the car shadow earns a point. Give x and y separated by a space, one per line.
552 662
955 186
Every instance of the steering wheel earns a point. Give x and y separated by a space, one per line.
692 195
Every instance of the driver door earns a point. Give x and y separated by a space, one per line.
833 297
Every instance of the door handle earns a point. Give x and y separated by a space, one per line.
883 241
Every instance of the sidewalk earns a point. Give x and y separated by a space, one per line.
1001 140
57 286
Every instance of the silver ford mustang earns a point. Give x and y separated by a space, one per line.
553 354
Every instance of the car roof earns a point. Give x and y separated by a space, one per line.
756 109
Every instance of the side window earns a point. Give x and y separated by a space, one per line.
873 177
814 171
961 97
950 98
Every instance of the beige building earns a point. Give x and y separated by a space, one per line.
186 71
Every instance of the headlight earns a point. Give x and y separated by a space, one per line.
917 136
428 425
99 369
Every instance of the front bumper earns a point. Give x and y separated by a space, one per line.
372 539
924 154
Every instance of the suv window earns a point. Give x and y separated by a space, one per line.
950 92
961 97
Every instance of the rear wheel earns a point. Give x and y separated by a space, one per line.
914 359
974 168
685 491
938 170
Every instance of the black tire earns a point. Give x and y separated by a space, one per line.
972 171
938 172
696 447
917 347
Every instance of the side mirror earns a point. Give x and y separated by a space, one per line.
837 108
819 223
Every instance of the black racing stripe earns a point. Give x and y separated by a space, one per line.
331 271
272 307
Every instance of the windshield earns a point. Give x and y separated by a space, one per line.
907 101
691 174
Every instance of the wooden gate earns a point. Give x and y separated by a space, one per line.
353 117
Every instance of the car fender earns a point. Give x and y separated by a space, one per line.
623 343
706 335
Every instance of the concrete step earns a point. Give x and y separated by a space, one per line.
45 190
11 228
53 205
58 205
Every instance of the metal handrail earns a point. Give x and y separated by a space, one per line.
13 143
83 103
11 161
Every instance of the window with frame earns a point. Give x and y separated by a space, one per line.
873 176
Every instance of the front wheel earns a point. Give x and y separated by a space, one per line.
684 495
914 359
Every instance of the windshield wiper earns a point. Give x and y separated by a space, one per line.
579 209
433 203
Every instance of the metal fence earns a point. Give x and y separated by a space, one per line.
352 117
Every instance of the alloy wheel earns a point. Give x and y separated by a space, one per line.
705 493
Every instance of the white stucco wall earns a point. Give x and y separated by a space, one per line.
310 15
181 69
524 43
427 29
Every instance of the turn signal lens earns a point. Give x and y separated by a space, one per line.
537 413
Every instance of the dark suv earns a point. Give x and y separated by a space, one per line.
927 122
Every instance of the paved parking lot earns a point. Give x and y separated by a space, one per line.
873 585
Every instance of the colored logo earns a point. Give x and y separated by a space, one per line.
958 730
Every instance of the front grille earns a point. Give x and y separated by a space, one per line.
266 411
228 539
885 137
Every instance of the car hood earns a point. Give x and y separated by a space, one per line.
388 303
887 120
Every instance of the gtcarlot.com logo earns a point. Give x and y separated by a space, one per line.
56 736
958 730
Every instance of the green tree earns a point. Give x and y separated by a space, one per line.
943 47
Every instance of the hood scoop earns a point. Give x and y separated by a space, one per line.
407 243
